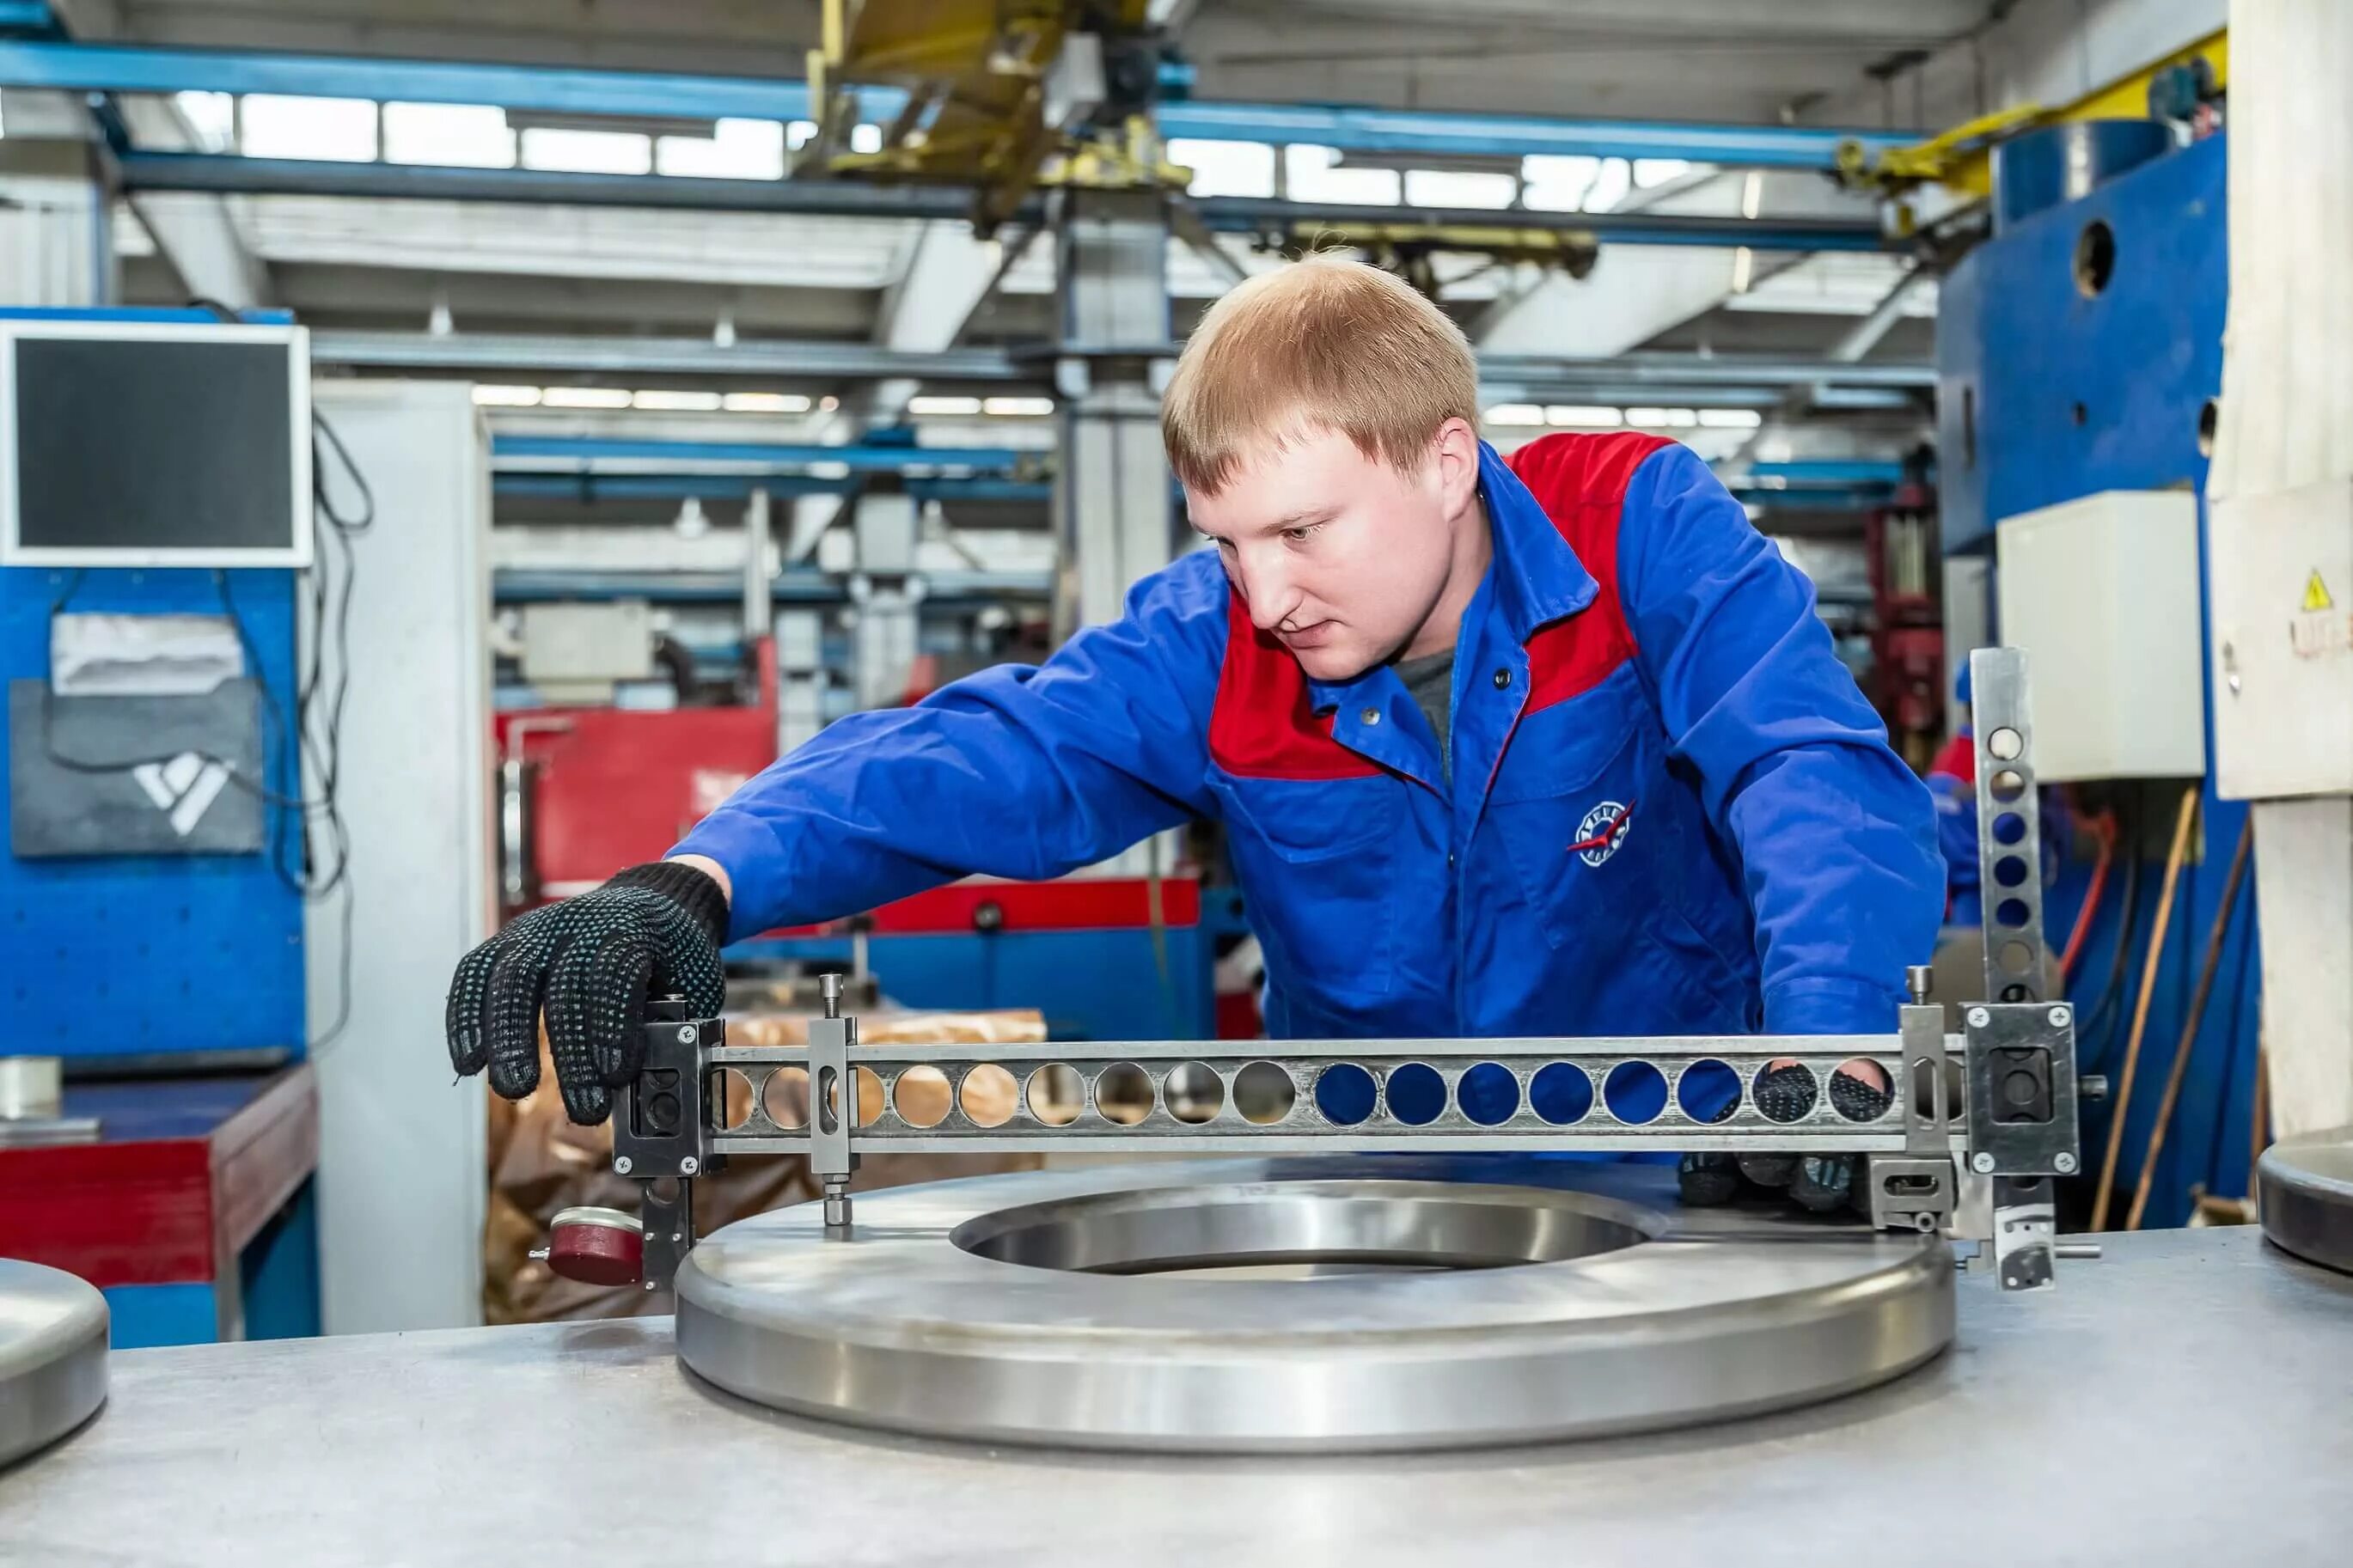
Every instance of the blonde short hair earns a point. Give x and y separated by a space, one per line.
1325 342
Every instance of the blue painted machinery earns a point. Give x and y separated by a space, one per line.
172 986
2078 352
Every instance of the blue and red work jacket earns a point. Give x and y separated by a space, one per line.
1671 812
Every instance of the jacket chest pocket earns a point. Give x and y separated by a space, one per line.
1579 806
1317 861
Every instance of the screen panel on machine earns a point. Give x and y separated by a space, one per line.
166 446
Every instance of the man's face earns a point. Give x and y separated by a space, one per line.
1341 556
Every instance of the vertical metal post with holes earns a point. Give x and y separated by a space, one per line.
833 1105
2021 1093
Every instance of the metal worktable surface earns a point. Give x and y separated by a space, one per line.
2189 1399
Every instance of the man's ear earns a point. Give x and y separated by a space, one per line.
1455 451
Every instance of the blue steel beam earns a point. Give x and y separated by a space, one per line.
1361 129
797 585
26 17
558 90
595 487
1832 473
540 90
542 454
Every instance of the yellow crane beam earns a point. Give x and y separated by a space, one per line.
1961 159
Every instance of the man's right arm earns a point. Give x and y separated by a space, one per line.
1019 771
1016 772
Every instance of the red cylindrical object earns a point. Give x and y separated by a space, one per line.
596 1246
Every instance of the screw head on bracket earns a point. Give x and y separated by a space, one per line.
2064 1163
1982 1162
623 1164
2059 1016
1979 1018
689 1165
686 1034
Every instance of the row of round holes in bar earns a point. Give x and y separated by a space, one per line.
1263 1094
2011 901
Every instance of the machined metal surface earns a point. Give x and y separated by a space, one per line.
52 1357
2304 1187
460 1448
1436 1304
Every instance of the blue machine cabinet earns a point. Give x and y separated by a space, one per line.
162 955
133 954
2049 389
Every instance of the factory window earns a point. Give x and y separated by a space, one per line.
588 152
1556 184
735 150
455 135
212 116
1313 173
1559 185
670 401
1459 188
584 397
336 130
1225 168
1610 186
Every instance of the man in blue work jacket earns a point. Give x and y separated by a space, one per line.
1545 744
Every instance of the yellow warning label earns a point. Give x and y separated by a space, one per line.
2315 593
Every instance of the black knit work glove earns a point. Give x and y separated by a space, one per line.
591 962
1818 1183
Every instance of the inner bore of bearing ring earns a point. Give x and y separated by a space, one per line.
1306 1229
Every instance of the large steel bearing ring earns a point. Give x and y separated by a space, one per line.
2304 1190
1444 1304
52 1355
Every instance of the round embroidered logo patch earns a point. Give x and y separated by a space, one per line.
1603 830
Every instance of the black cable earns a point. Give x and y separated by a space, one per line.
2103 1014
2217 1133
2107 1012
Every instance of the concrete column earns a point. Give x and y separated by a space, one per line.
56 221
887 593
1113 516
401 1174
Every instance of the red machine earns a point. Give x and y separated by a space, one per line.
587 791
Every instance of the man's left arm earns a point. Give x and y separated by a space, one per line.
1836 837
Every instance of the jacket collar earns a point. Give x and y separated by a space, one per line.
1533 580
